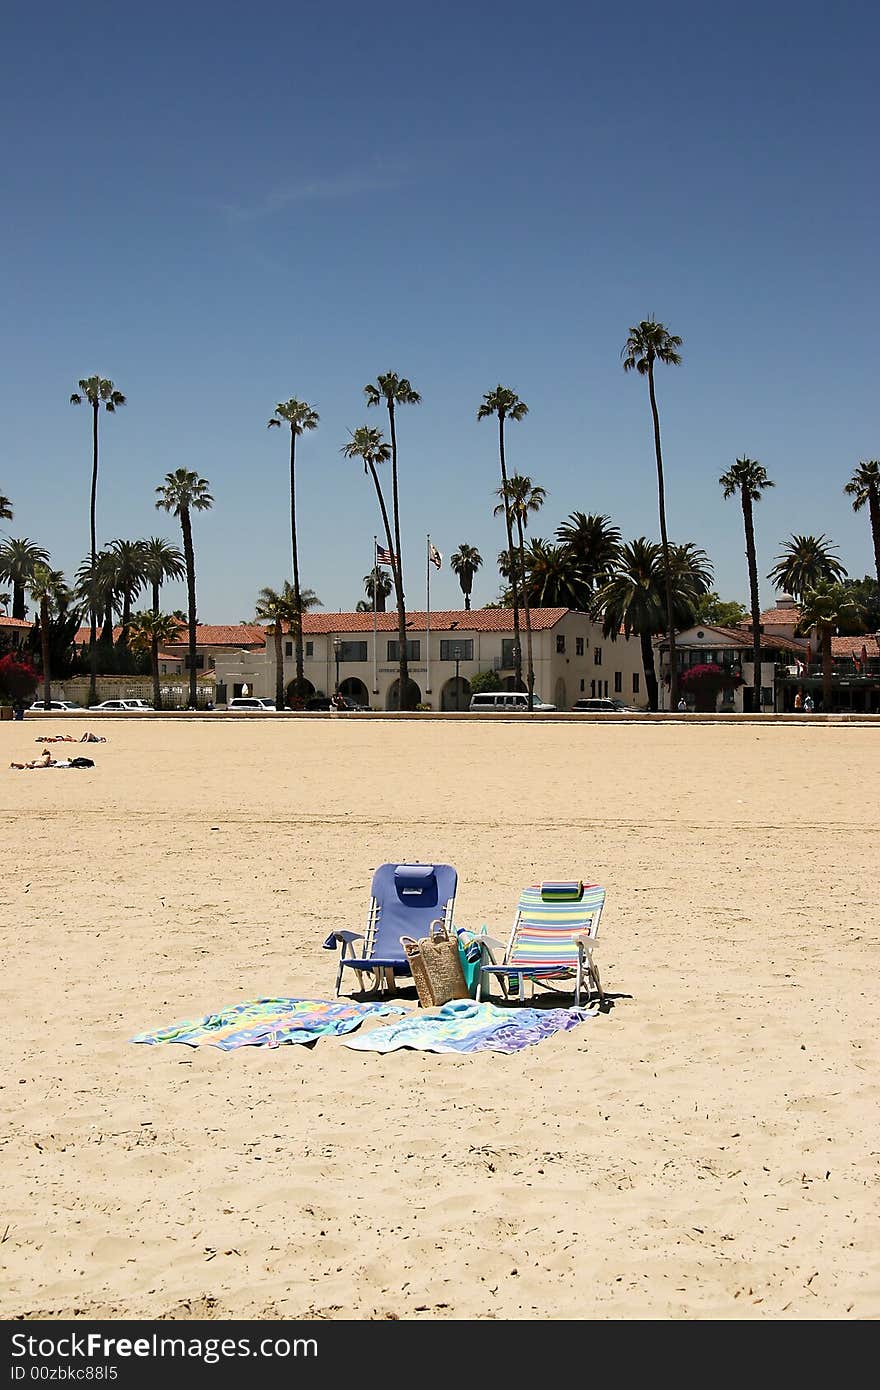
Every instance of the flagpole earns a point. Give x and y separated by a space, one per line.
428 615
375 611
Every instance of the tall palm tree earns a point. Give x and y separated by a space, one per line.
804 561
649 342
182 493
162 561
129 577
95 391
5 508
17 560
96 589
749 478
149 631
633 599
369 446
299 416
395 390
507 405
520 497
377 587
46 587
824 605
279 607
555 578
593 541
464 563
864 487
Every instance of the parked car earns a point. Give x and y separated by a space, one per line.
132 706
252 702
57 706
344 702
502 701
604 706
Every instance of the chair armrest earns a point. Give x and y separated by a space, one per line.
341 938
488 941
587 942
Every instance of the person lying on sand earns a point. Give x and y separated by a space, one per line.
46 760
69 738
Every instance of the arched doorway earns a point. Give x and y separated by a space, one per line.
392 700
291 696
559 699
355 690
455 695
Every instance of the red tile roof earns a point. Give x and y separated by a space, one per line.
776 617
444 620
14 622
207 635
852 646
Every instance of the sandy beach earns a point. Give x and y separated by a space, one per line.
705 1149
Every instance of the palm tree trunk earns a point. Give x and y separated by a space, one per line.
651 691
190 561
467 600
93 649
156 597
874 514
384 510
44 639
126 619
279 667
397 570
298 647
530 672
664 542
826 668
18 605
154 666
107 629
752 561
517 646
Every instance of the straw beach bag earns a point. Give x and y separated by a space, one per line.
436 967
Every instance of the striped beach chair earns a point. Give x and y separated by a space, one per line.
404 900
553 938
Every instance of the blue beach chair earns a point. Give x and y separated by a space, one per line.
404 900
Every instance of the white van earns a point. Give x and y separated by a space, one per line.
503 701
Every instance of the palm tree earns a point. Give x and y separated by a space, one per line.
633 599
593 541
184 492
864 487
805 560
369 446
149 631
649 342
824 605
162 561
749 478
554 577
299 416
520 497
17 561
5 508
396 390
278 608
96 391
465 563
129 577
96 589
46 587
507 405
377 587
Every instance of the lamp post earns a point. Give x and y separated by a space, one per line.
515 655
457 654
337 652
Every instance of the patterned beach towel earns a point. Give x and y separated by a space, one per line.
463 1026
270 1022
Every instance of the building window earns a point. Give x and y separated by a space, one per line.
593 688
353 651
597 656
583 683
635 682
200 662
507 646
288 649
618 682
465 650
766 695
413 651
605 692
310 649
579 646
560 645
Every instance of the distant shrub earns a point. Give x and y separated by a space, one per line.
18 679
485 680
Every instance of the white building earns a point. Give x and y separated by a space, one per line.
706 644
571 658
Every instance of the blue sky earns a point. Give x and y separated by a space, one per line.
219 215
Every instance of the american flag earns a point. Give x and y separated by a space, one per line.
384 557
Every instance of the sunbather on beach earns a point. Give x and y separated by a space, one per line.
45 760
56 738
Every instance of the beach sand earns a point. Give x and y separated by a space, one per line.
706 1149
